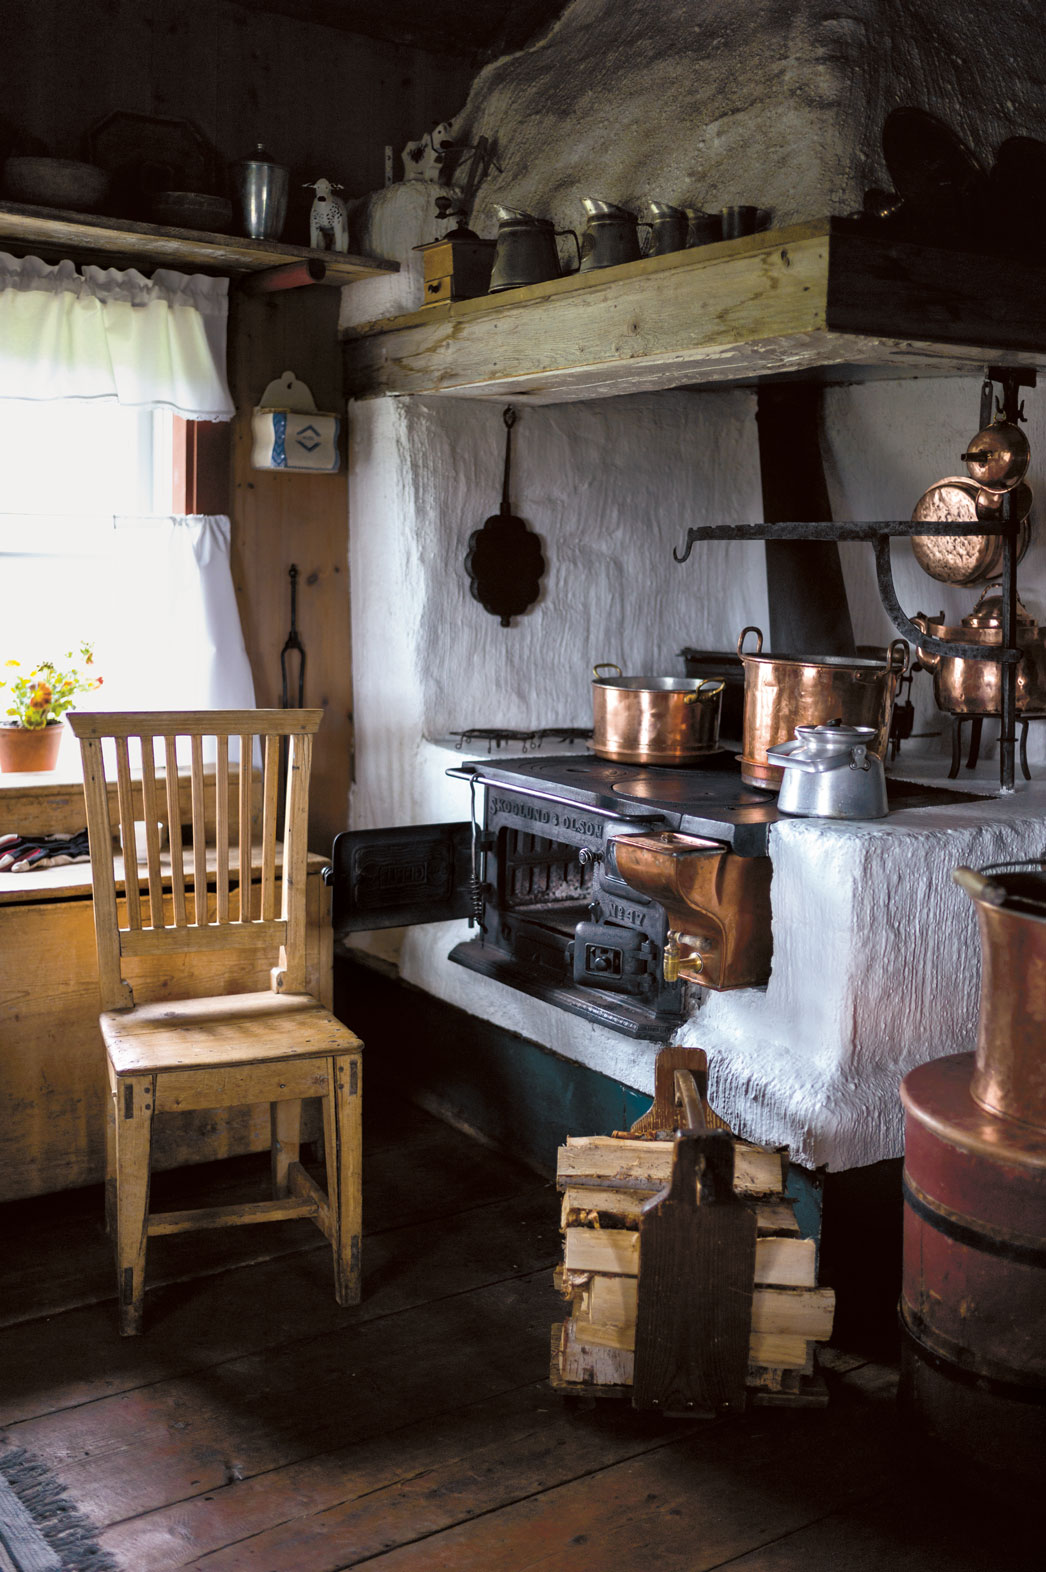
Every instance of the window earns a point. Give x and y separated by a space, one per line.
89 551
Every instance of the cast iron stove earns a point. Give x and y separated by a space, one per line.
535 870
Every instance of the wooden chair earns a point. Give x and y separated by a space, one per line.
278 1046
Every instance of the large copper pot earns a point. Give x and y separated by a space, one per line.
654 720
783 692
973 687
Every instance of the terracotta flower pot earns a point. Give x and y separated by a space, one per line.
24 748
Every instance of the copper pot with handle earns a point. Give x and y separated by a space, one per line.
654 720
783 692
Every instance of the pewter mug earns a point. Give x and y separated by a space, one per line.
744 221
702 228
669 226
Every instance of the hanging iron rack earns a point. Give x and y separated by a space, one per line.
880 533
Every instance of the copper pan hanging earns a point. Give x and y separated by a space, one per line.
998 457
968 559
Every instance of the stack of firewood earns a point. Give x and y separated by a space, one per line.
605 1183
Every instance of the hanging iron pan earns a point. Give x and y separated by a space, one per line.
967 559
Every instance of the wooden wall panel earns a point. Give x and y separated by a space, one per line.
323 101
281 518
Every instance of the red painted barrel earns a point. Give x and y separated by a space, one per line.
973 1299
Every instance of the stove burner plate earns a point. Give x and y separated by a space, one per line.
683 790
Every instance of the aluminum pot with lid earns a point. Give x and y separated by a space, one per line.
783 692
654 720
974 687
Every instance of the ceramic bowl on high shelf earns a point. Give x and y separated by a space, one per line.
56 182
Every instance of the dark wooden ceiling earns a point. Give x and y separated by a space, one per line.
478 29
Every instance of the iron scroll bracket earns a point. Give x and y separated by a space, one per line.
879 534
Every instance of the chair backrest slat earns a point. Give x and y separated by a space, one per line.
129 844
174 829
270 795
221 829
295 861
231 923
154 814
244 860
199 834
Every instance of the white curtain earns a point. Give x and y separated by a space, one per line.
102 333
167 628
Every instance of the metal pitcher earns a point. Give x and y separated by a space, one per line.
526 250
831 773
261 186
610 235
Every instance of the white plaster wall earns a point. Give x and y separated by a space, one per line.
876 962
876 969
610 487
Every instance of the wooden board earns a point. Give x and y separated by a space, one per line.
605 1161
697 1249
73 233
783 301
606 1208
46 804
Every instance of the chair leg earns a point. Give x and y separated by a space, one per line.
133 1122
343 1134
285 1122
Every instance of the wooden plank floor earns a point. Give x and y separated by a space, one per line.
256 1427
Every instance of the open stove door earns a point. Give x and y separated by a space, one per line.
393 878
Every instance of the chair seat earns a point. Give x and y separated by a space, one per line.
211 1033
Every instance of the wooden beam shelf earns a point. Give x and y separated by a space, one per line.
62 233
827 300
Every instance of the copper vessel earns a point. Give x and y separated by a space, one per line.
654 720
968 559
974 687
1009 1078
783 692
718 904
973 1297
998 456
